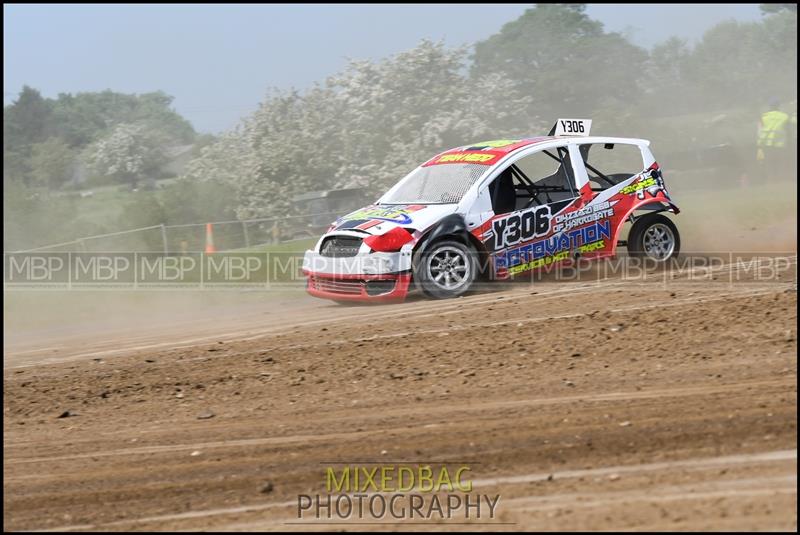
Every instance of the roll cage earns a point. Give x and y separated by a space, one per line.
563 150
534 188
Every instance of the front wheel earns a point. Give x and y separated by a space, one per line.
446 269
654 236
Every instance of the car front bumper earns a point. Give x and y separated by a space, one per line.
371 276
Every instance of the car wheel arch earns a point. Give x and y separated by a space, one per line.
451 227
666 207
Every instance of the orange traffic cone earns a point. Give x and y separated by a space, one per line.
210 239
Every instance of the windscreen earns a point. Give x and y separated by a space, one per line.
437 184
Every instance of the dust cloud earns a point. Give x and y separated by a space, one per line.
699 106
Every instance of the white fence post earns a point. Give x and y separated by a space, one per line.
164 237
246 237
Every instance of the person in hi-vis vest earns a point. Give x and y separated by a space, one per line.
773 141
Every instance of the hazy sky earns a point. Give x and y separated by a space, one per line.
218 60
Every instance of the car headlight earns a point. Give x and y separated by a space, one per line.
389 242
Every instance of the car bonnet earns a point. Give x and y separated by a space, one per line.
377 219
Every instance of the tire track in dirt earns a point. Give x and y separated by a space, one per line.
416 308
674 492
717 296
439 411
697 400
715 489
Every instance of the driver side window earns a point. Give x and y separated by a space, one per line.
541 178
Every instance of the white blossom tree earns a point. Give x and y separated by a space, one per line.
129 153
366 126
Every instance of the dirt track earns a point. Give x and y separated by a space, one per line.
607 405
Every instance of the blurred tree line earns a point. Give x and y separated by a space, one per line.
53 147
371 123
120 137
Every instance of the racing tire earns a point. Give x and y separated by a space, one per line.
446 269
654 237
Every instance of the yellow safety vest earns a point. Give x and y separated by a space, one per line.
773 129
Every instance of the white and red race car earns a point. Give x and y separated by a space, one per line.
495 209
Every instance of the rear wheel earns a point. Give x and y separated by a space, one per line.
654 236
446 269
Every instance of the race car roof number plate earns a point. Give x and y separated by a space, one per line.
573 127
